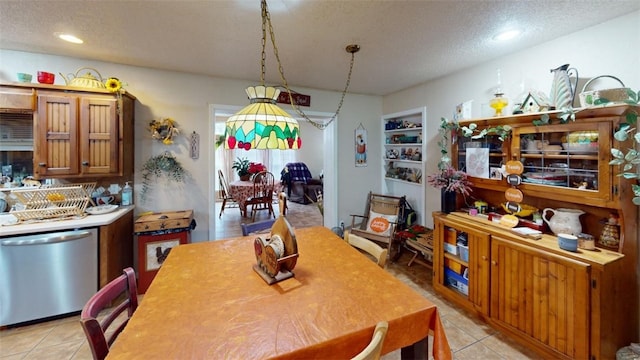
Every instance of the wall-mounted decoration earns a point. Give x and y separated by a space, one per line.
361 146
164 130
163 165
194 149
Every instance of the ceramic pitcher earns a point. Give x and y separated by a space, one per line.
563 88
563 221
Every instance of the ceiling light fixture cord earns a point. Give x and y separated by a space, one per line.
266 19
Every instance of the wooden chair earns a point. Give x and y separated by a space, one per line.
225 193
374 349
257 227
96 330
262 199
379 221
367 246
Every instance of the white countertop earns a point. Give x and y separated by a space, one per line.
54 225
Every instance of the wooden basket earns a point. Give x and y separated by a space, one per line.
53 202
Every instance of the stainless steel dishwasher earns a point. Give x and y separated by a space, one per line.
47 274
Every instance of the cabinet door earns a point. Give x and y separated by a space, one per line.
56 144
542 295
98 135
471 288
567 161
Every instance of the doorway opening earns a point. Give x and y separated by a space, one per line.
323 158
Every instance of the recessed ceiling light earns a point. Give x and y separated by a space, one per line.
70 38
507 35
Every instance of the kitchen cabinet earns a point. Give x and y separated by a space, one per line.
77 134
116 247
403 157
562 304
477 264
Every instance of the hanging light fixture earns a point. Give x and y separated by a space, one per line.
262 124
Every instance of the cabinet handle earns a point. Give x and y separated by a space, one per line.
494 263
42 164
484 258
85 163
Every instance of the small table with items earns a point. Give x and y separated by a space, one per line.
240 191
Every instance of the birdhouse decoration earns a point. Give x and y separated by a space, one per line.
533 102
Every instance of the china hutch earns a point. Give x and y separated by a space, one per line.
563 304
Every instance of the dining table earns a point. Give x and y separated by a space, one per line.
241 190
207 302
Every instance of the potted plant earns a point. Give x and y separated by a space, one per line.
241 166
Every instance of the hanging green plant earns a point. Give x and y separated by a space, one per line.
158 166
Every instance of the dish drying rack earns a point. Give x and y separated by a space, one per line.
51 202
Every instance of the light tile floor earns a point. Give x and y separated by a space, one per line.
468 335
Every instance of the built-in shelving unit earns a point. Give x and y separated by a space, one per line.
404 160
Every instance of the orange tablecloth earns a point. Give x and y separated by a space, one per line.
240 191
207 302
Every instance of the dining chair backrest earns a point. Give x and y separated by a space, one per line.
257 227
263 183
374 349
100 334
224 185
368 246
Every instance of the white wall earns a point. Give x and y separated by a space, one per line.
186 98
611 48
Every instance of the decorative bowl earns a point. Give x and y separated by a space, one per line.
568 242
551 149
581 148
46 77
24 77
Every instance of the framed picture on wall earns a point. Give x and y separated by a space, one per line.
361 146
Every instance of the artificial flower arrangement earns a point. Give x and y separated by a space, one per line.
255 168
164 130
450 179
114 84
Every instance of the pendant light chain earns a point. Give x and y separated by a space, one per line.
266 19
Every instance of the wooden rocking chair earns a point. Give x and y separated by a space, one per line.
379 221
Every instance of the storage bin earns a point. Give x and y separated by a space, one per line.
456 281
451 248
464 252
454 265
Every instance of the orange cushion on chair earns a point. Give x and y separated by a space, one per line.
380 224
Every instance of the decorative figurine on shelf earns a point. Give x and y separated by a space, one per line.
610 236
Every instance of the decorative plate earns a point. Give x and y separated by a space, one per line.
101 209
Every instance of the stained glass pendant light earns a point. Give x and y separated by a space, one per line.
262 124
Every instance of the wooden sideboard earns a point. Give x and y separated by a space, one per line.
562 304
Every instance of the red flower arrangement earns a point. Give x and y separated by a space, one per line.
255 168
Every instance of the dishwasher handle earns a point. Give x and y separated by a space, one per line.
48 238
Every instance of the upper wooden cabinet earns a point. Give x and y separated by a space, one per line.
564 161
78 133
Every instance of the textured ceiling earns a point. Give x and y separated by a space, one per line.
403 43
